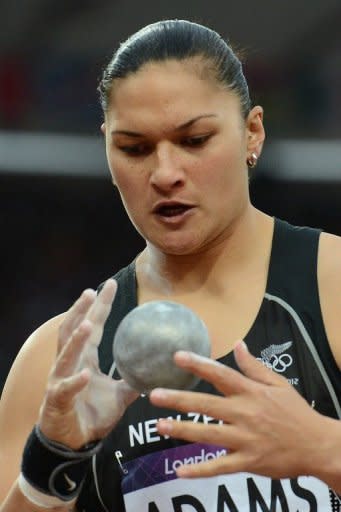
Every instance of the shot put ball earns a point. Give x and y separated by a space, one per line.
146 340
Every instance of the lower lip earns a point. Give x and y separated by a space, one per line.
175 219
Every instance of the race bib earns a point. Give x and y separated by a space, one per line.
150 484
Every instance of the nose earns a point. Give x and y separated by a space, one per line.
168 172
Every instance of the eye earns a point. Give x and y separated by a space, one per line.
135 149
196 141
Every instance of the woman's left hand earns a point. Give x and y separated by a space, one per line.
267 427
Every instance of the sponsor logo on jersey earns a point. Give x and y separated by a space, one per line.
71 484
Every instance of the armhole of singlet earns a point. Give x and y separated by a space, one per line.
125 300
295 253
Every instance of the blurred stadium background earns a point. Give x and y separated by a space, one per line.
62 225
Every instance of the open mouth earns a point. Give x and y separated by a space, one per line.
172 210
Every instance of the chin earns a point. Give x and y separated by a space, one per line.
177 247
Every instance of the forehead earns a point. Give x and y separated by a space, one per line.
167 94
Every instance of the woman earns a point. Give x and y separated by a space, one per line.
180 136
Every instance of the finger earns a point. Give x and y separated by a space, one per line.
62 394
99 312
125 394
68 359
186 401
226 464
100 309
254 369
74 316
226 380
81 349
212 433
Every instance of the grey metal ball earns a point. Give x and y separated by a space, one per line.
146 340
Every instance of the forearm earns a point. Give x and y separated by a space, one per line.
16 501
79 408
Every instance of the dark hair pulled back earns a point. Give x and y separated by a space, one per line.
176 39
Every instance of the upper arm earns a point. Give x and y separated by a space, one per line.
22 396
329 279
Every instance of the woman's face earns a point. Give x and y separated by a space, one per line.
177 147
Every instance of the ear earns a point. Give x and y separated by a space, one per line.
255 132
103 128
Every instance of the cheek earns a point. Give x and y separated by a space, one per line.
222 169
130 184
119 168
121 173
126 187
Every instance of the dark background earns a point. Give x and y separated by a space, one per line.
62 225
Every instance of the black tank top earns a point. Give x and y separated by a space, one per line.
135 471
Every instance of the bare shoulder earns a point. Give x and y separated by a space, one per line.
23 394
329 278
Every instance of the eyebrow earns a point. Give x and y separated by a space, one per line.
182 126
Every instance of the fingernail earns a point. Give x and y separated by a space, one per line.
165 426
242 345
181 471
184 356
159 393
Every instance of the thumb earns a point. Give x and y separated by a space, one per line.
255 369
125 393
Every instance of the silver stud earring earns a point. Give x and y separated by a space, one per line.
252 160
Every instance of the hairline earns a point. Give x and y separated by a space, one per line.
194 59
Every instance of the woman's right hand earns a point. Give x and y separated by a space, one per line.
82 404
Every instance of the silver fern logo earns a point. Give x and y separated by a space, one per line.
275 357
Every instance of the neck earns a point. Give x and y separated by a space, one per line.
244 243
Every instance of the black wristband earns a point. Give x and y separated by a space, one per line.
53 468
